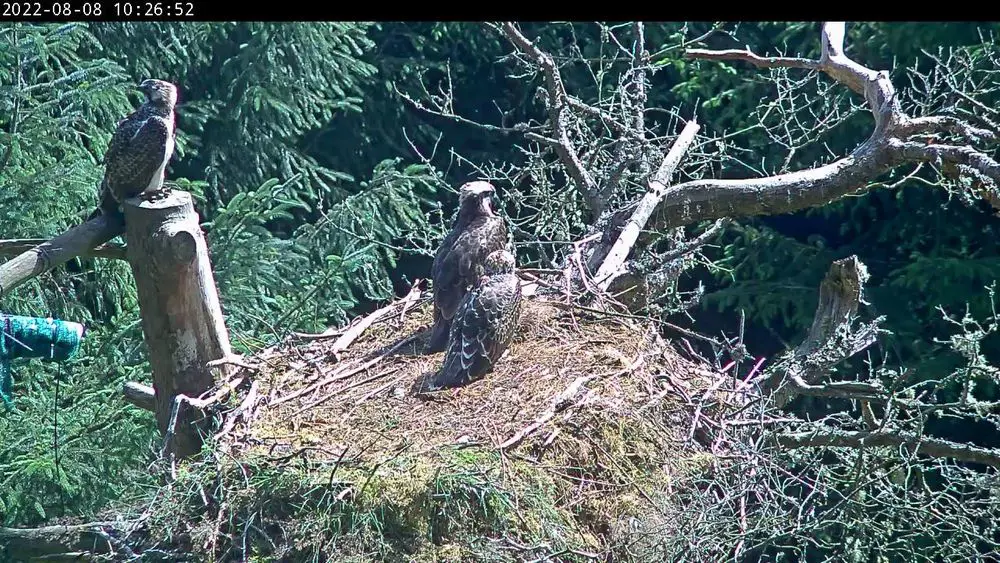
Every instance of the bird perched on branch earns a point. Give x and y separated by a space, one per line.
484 324
477 232
140 149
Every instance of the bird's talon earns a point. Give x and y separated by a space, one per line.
156 195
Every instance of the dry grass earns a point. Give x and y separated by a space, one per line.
362 413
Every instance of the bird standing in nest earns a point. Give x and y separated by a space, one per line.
477 232
484 324
137 157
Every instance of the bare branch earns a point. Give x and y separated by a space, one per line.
557 105
831 340
13 247
756 60
887 148
639 55
619 252
712 199
950 153
518 128
839 389
701 200
142 396
933 447
955 126
75 242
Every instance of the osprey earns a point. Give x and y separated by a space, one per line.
140 149
477 232
484 324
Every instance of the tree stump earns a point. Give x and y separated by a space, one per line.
181 315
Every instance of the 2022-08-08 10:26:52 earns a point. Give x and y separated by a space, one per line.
96 9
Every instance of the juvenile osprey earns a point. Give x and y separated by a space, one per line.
140 149
477 232
484 324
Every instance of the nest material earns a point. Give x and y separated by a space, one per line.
579 436
365 402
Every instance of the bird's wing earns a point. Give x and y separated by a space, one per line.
459 261
133 159
455 270
125 130
485 323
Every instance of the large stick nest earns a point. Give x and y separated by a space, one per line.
587 418
366 401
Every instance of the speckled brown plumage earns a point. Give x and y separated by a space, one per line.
484 324
137 156
477 232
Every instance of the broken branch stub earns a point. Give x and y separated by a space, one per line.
181 315
831 340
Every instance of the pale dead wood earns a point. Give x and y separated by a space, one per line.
181 315
889 146
616 257
357 330
12 247
558 404
140 395
558 106
357 327
195 408
933 447
315 403
328 333
344 372
831 340
232 360
245 412
563 401
39 259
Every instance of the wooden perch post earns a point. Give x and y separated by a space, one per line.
181 315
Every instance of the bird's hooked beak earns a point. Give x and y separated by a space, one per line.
486 204
144 88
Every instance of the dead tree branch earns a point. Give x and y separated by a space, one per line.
831 340
557 102
78 241
13 247
615 261
142 396
933 447
889 146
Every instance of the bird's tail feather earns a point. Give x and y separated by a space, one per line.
107 206
451 373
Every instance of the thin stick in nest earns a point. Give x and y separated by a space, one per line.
348 338
562 401
355 330
344 372
342 390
